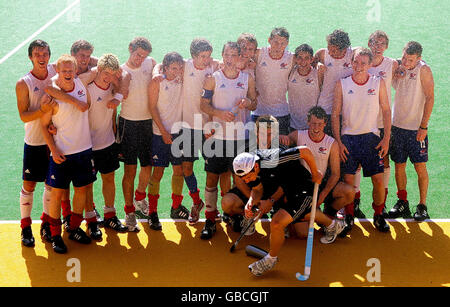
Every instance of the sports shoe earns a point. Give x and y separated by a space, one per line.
357 210
141 208
401 208
380 223
58 245
236 222
94 231
332 231
421 213
45 232
180 213
218 216
79 236
131 222
349 221
209 230
66 223
263 265
27 237
194 216
244 223
153 221
99 218
115 224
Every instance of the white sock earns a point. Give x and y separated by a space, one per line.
26 203
46 199
268 257
386 176
357 181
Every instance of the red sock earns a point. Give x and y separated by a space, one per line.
358 195
195 197
210 215
45 218
152 203
25 222
402 195
378 209
176 200
109 215
55 226
129 209
350 209
75 221
65 206
139 195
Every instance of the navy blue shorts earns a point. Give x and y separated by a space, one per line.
135 139
362 151
192 144
162 153
219 154
106 160
77 168
404 145
35 163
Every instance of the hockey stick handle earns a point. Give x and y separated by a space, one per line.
309 242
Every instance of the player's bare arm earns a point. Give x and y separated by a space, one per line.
320 73
206 102
383 146
334 165
426 79
153 95
64 97
335 120
23 103
319 57
308 157
46 119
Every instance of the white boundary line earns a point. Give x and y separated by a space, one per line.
267 220
39 31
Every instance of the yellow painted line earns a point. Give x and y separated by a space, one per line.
412 254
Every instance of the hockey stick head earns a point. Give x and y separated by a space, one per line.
301 277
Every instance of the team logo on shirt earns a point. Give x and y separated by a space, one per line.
222 86
36 89
412 76
350 92
166 88
371 91
322 150
191 74
264 64
240 85
309 81
330 64
382 74
284 66
347 65
294 80
81 93
99 98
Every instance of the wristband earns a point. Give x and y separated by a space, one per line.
118 96
426 128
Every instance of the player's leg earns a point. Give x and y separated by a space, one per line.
178 211
26 205
423 181
90 215
211 196
153 196
109 194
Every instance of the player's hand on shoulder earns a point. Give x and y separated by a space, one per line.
112 104
47 103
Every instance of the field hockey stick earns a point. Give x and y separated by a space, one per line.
233 247
309 243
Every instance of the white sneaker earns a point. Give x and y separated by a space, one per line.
332 231
141 207
244 223
263 265
131 223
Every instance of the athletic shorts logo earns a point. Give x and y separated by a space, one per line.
371 91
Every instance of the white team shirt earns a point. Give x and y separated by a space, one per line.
73 134
272 82
336 70
169 106
36 86
384 71
303 92
135 107
100 117
360 106
192 89
320 150
409 100
227 94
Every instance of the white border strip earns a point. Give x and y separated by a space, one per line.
39 31
267 220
